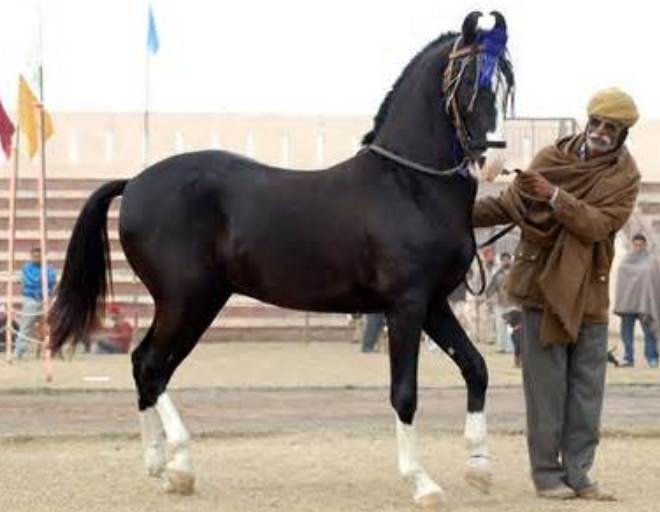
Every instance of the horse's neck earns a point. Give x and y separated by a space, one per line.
419 133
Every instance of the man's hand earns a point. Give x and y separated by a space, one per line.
494 165
534 184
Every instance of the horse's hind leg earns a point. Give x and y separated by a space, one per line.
153 435
177 326
441 325
404 329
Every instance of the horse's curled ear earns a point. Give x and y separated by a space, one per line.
470 27
500 22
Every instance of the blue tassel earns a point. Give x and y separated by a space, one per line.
493 43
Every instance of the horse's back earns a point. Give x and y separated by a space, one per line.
257 223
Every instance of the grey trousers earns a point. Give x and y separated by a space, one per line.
564 388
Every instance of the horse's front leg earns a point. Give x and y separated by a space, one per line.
404 329
441 325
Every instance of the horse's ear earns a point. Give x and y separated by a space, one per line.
470 27
500 22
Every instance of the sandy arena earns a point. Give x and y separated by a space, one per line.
295 427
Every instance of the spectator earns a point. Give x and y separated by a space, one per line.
32 310
502 302
375 322
513 317
3 330
485 310
638 298
117 339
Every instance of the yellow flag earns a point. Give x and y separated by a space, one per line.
29 117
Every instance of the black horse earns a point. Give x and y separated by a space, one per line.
387 230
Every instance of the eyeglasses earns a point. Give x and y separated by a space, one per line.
608 126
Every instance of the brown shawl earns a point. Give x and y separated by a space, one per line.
607 182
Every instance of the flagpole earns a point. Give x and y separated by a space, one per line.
147 67
48 362
13 178
145 153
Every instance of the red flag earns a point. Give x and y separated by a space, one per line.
6 131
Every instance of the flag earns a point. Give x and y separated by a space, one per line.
152 34
6 131
28 117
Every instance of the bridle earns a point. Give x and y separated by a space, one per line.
458 61
460 58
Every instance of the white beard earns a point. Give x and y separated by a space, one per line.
601 144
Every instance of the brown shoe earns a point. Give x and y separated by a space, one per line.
561 492
595 493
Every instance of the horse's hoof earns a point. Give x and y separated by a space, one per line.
155 463
431 499
155 471
179 482
478 475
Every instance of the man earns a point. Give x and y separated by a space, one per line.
638 298
32 310
569 204
118 339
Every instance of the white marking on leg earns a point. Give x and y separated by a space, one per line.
426 491
153 442
475 434
180 477
477 470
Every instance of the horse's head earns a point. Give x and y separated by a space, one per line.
477 83
449 103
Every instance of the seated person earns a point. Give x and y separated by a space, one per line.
117 339
3 327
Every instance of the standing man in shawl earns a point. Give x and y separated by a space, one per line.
569 205
638 298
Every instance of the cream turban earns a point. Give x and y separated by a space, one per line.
614 104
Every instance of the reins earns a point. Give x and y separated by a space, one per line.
490 241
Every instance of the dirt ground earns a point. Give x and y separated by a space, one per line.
293 427
259 365
324 470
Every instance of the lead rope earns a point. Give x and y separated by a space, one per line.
494 238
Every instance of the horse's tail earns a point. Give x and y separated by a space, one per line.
87 270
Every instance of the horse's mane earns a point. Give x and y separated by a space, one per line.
385 105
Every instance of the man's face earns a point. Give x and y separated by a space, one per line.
35 255
506 261
639 245
602 135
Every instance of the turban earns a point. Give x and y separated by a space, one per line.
614 104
